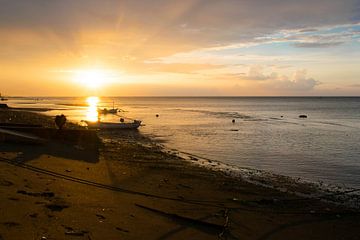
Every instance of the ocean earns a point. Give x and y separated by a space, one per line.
267 133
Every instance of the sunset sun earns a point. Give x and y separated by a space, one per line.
92 78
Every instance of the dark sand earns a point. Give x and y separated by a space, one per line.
157 196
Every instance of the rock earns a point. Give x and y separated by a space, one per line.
35 194
75 233
122 230
5 183
34 215
56 207
11 224
101 217
303 116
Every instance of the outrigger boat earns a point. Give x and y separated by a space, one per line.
111 125
3 98
106 111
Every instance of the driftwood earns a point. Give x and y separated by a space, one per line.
218 229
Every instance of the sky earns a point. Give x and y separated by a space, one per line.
180 47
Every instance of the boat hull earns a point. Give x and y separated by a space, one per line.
106 125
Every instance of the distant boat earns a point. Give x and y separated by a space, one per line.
107 111
3 98
111 125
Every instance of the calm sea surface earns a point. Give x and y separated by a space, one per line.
267 134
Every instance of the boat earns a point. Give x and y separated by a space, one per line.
15 136
2 98
106 111
112 125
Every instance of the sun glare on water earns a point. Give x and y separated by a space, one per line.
92 113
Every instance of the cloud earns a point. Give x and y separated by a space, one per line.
277 81
179 68
205 23
256 72
317 44
299 82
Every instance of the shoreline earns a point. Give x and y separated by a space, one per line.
162 197
332 193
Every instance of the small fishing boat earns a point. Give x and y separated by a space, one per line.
108 111
111 125
3 98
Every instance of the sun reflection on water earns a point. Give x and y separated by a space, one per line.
92 113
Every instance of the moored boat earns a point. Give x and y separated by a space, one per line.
113 110
3 98
111 125
106 111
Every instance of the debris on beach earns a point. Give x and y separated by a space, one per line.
122 230
101 217
196 223
5 183
76 233
11 224
37 194
33 215
56 207
73 232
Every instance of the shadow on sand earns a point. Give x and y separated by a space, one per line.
72 144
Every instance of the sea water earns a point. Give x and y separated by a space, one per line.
267 133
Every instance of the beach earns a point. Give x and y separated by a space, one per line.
134 189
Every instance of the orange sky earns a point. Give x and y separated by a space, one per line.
172 48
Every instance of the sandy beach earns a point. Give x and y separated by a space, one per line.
135 190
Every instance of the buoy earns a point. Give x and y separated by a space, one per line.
233 121
282 116
121 120
157 115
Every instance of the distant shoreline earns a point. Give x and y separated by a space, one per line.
35 97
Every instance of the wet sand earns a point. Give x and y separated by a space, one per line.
132 189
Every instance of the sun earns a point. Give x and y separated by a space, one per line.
92 78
